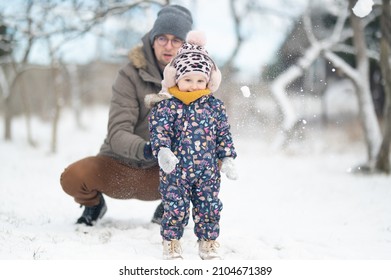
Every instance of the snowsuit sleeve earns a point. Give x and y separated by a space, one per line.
160 126
225 146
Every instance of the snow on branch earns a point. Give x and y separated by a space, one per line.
351 50
362 8
340 24
343 65
308 28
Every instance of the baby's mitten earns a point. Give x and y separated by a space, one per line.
228 167
167 160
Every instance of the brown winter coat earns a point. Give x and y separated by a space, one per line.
128 116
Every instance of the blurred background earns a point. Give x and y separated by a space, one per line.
292 69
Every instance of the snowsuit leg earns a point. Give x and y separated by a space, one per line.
176 200
87 177
206 208
177 192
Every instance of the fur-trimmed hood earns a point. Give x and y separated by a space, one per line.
137 58
142 57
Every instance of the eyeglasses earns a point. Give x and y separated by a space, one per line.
163 40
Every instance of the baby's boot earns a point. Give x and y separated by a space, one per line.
207 249
172 250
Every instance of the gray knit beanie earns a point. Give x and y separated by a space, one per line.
175 20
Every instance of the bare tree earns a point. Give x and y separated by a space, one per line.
359 75
280 83
238 20
245 12
360 78
17 70
56 23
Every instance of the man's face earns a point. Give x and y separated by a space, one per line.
166 47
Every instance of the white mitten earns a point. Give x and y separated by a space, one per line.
228 167
167 160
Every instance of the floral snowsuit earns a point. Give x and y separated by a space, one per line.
199 136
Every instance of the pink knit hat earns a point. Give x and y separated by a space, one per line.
192 57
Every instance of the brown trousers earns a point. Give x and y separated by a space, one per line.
85 178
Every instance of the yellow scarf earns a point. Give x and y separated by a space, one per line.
188 96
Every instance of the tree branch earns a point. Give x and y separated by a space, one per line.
343 65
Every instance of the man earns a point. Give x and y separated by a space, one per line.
125 168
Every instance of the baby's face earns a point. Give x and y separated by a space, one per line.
192 82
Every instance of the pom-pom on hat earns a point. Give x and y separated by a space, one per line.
175 20
192 57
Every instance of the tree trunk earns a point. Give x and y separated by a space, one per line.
26 108
7 119
5 88
76 103
383 158
57 91
367 111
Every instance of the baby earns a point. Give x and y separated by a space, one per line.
190 136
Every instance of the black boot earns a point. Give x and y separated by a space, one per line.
92 213
158 215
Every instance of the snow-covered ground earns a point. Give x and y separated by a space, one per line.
302 205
